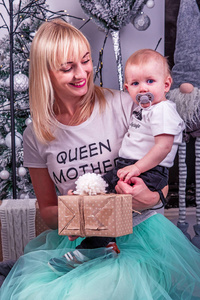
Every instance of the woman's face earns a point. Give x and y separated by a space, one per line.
71 80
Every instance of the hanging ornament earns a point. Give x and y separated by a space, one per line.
28 121
150 3
21 82
141 22
4 175
18 140
21 171
6 105
24 196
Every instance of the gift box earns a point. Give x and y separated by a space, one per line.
99 215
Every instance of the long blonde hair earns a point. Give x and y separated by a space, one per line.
55 40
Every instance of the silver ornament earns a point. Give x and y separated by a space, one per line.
141 22
150 3
28 121
18 140
21 82
6 105
4 174
21 171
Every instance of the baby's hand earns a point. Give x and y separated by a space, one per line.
127 172
70 192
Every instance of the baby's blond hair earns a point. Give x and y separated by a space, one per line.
143 56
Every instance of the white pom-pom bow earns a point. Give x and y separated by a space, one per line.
90 184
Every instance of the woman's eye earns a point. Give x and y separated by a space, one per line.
66 70
86 61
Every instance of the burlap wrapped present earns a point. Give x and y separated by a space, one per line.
99 215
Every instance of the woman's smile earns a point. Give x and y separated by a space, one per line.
79 84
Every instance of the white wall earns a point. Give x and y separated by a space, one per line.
131 38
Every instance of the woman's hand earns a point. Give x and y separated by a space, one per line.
72 237
143 198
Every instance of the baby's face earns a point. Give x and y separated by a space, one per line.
148 78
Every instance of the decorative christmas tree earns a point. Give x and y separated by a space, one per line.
24 19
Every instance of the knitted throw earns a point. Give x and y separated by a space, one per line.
17 226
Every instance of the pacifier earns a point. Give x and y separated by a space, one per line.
144 99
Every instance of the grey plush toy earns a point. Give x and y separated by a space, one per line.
185 92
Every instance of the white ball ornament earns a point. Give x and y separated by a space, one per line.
21 171
22 196
21 82
150 3
18 140
28 121
6 105
4 175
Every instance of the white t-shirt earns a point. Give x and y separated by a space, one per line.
92 146
161 118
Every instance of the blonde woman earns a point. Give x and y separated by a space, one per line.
77 128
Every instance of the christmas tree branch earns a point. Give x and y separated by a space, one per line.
5 24
5 6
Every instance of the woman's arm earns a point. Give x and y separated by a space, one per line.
143 198
46 196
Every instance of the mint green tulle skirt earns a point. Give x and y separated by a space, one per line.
156 262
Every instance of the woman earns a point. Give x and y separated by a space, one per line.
78 127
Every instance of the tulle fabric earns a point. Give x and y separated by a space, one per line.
156 262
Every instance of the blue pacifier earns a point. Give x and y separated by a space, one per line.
144 99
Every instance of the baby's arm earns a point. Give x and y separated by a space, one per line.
163 145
